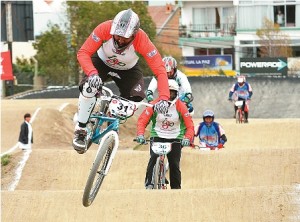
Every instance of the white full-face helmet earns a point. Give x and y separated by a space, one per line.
125 24
241 79
173 86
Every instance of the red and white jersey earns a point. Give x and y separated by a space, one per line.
177 123
101 41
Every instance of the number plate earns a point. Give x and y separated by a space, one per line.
238 103
121 108
161 148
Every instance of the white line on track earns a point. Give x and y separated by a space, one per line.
26 154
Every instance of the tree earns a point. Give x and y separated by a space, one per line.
274 43
84 16
53 56
24 70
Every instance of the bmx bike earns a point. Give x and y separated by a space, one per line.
161 166
102 128
239 115
205 147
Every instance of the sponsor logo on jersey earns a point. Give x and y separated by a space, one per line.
95 37
187 114
152 53
138 88
114 75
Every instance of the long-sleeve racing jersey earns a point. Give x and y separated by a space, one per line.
243 92
176 124
210 134
101 41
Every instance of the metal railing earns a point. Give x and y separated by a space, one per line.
207 30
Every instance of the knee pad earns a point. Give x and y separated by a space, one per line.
85 107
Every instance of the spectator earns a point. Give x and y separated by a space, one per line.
26 133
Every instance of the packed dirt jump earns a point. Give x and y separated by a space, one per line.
256 177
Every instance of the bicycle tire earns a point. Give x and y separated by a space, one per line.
104 106
156 178
91 189
237 116
92 127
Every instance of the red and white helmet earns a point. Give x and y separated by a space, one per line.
170 63
125 24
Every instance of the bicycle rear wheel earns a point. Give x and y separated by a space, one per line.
97 175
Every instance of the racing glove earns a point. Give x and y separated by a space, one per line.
220 145
149 96
187 98
95 81
140 139
161 106
185 142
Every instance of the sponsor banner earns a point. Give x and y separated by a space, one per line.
264 66
210 65
6 66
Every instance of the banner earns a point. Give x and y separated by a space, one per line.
210 65
6 66
264 66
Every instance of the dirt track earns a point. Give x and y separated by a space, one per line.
255 178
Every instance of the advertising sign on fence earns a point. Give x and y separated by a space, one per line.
264 66
210 65
6 66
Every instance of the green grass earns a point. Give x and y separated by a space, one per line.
5 159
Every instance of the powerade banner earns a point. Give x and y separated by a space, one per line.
210 65
266 66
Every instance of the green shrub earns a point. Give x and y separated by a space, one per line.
5 159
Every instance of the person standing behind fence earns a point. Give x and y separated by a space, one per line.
26 133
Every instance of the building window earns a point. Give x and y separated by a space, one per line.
284 15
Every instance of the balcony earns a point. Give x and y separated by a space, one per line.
207 30
208 35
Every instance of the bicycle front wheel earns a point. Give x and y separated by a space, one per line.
91 126
157 174
97 175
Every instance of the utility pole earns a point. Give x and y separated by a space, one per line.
9 29
9 36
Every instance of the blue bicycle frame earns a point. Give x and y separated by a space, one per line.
114 124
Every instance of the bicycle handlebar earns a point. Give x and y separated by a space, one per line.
112 95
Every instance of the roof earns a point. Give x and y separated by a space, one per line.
159 15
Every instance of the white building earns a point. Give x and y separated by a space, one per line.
229 27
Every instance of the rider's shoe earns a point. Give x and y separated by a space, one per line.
150 187
166 181
79 139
